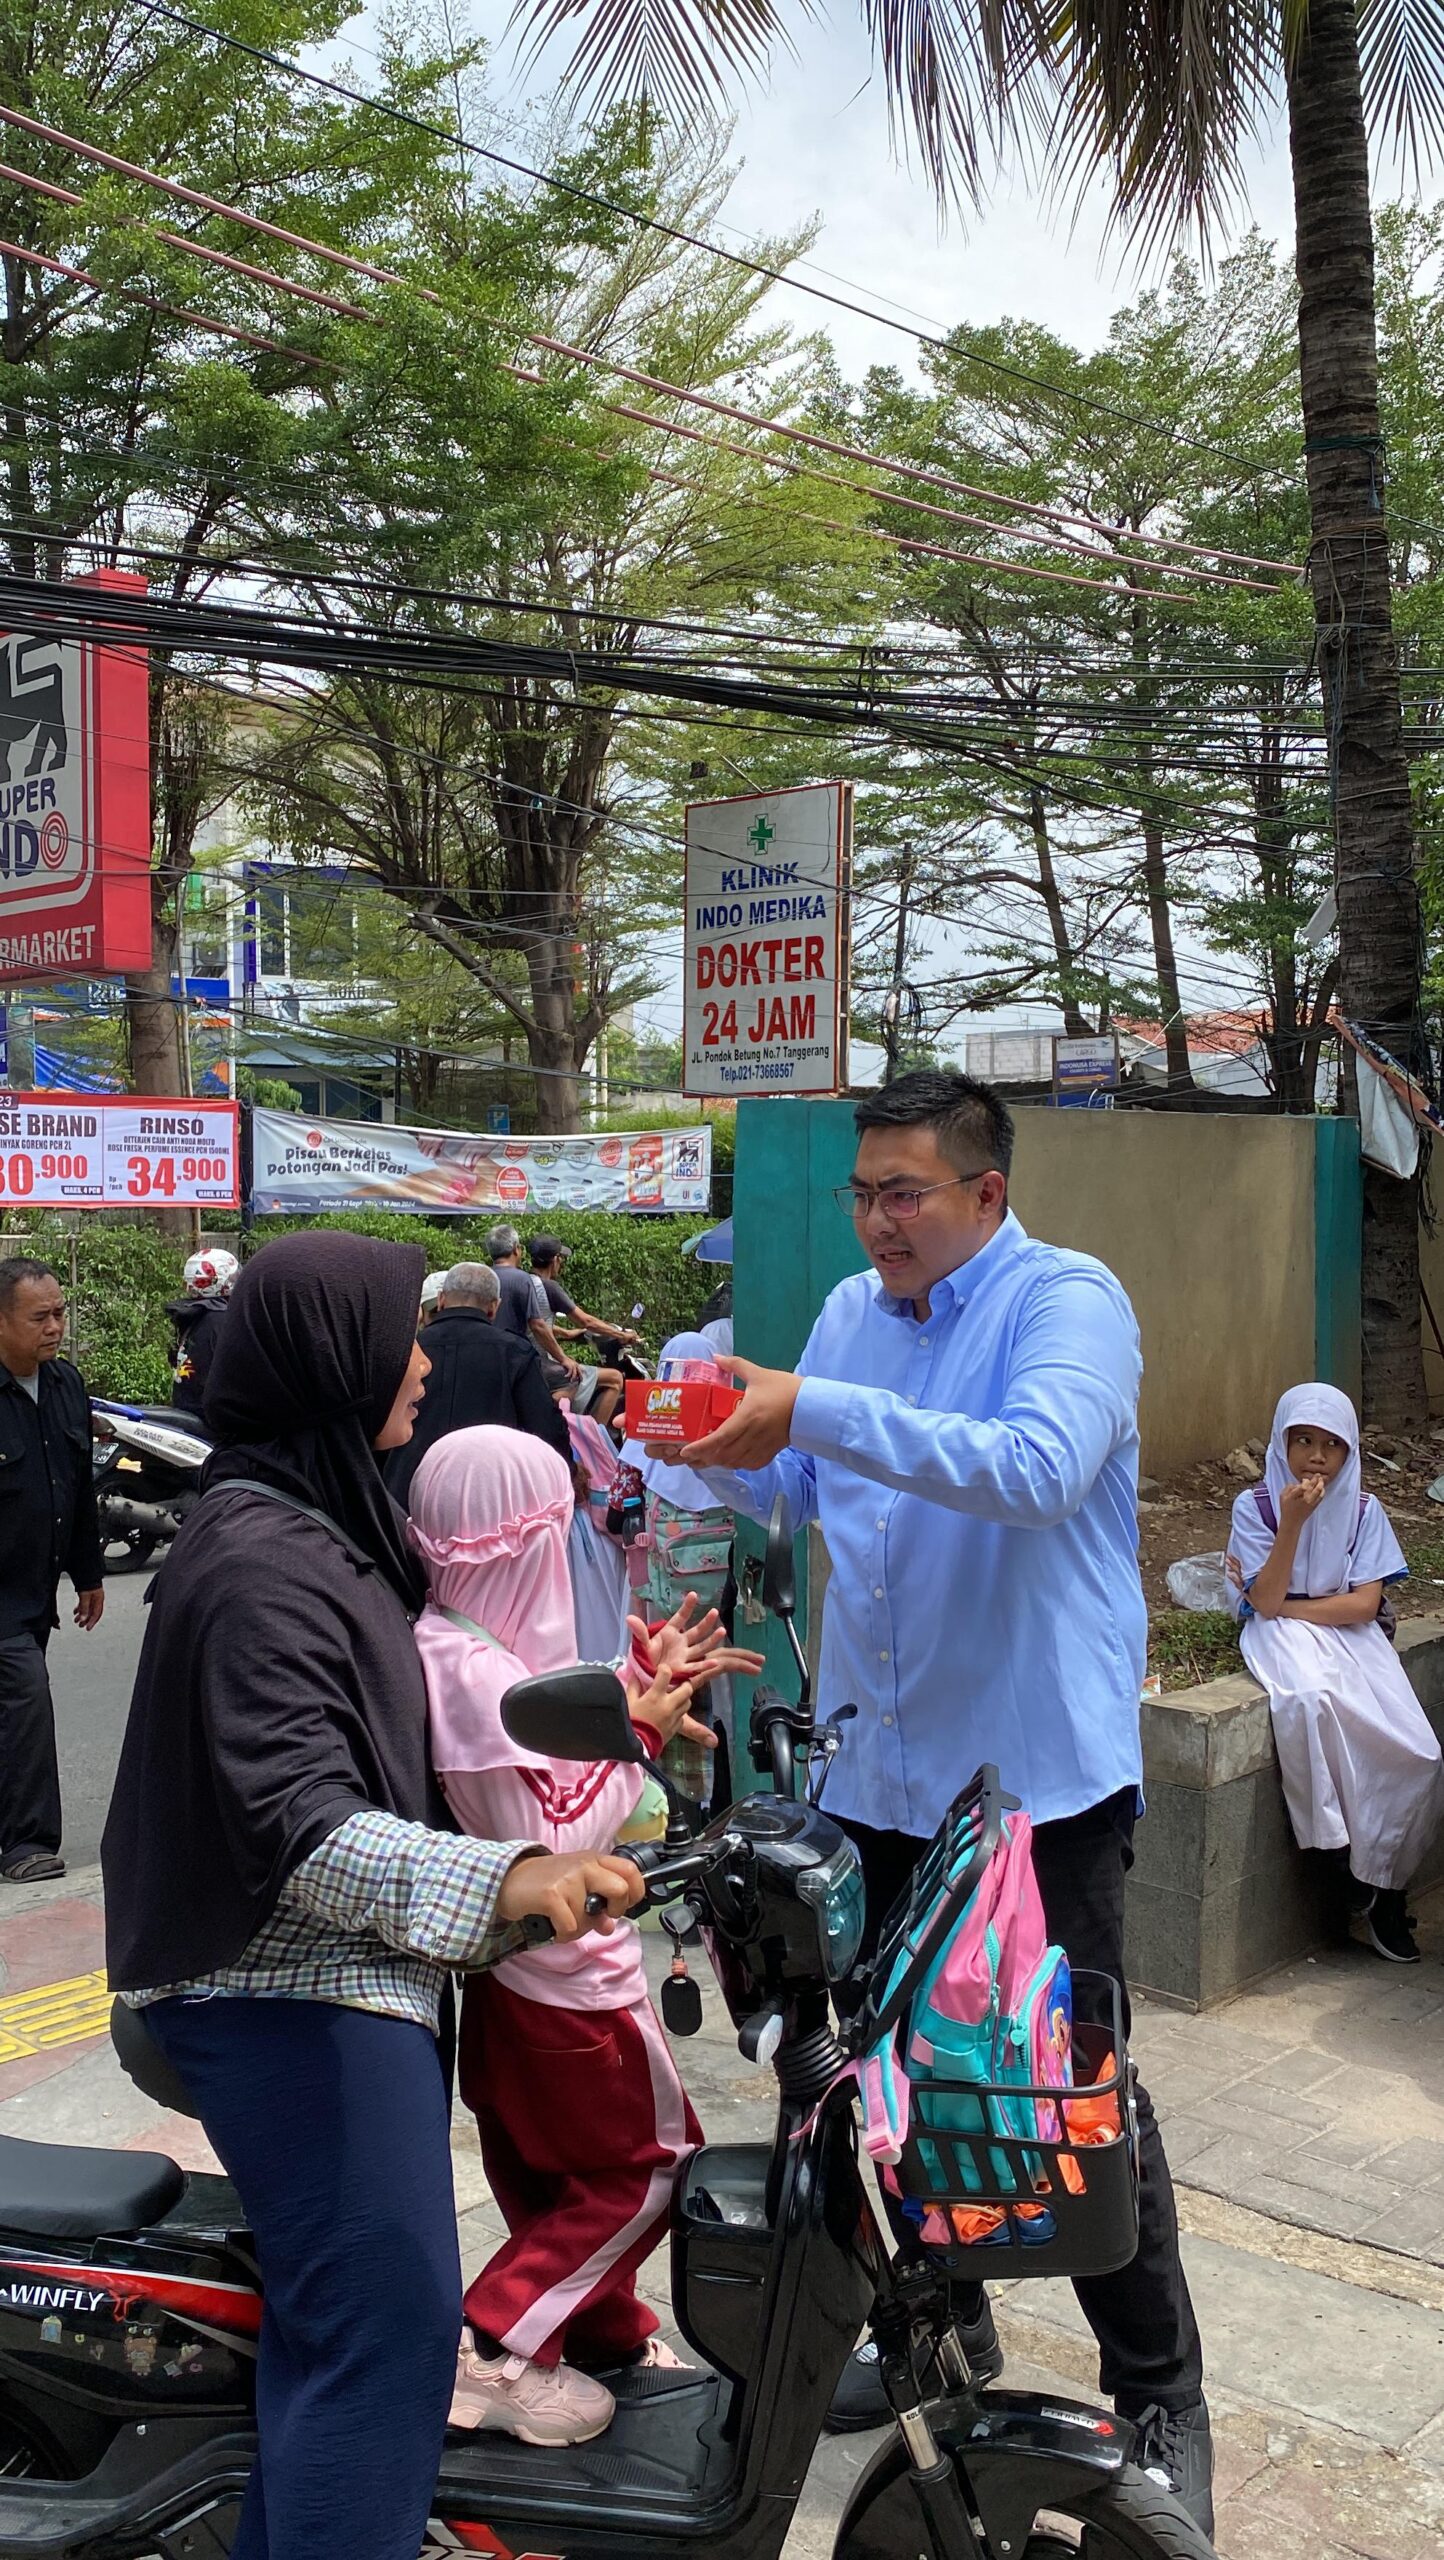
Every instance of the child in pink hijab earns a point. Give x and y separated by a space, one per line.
583 2120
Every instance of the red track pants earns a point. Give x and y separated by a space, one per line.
584 2124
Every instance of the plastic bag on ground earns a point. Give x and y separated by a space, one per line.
1199 1582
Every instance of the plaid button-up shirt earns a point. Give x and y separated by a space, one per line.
373 1919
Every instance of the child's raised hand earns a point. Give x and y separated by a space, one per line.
1297 1501
665 1707
695 1651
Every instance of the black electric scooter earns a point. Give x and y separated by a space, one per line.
130 2302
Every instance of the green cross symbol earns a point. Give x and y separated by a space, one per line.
761 835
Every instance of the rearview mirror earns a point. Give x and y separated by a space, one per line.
779 1575
573 1715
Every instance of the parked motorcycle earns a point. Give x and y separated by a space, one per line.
130 2302
146 1460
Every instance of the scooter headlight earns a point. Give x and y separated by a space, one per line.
834 1889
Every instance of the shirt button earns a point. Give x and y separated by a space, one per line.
889 1720
923 1343
882 1524
882 1657
877 1591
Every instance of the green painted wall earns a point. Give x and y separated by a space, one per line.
1338 1244
791 1244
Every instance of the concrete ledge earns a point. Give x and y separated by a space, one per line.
1220 1893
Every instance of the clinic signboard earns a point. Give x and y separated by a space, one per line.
74 796
766 942
117 1151
301 1166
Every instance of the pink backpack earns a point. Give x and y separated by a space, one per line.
991 2017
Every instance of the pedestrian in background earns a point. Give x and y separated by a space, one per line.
479 1373
199 1319
48 1526
525 1308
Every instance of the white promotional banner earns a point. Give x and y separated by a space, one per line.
300 1166
117 1151
766 946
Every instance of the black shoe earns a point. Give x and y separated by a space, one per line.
1390 1930
860 2400
1176 2447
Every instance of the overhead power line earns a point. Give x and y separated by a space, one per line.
696 240
1115 540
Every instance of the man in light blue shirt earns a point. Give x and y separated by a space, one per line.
963 1425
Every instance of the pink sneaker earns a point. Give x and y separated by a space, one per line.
542 2404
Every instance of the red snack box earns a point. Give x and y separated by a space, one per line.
678 1410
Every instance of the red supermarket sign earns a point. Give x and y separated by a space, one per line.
117 1151
74 798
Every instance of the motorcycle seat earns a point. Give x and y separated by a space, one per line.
60 2191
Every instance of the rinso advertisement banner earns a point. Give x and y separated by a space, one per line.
300 1165
117 1151
766 942
74 798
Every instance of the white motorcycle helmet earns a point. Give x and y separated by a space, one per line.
211 1276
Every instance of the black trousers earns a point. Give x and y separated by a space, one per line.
1149 2348
29 1771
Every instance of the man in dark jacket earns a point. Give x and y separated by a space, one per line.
479 1373
48 1526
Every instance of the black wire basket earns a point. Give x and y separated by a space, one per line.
983 2196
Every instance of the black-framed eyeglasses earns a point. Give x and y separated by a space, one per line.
857 1200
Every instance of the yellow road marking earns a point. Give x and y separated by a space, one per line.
54 2013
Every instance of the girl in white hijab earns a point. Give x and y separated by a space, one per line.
1311 1555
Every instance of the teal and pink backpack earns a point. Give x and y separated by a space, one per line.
950 2083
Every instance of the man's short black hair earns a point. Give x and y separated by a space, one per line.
973 1124
15 1270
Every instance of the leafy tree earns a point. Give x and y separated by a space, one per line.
124 419
501 812
1164 102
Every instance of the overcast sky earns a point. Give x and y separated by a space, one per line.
814 142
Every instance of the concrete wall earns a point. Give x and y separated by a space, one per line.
1209 1224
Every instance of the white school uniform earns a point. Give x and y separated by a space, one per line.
1360 1763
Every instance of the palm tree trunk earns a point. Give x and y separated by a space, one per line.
1379 929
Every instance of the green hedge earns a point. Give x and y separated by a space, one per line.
616 1261
120 1277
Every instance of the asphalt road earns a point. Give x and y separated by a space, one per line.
90 1679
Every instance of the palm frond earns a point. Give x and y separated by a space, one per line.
676 55
1162 95
962 77
1157 94
1401 48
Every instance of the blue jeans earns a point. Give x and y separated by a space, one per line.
332 2124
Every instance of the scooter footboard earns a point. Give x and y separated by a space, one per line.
1019 2454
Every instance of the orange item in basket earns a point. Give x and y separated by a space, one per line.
677 1410
1089 2120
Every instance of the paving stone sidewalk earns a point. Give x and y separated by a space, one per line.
1318 2097
1306 2126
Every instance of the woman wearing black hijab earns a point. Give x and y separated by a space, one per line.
280 1904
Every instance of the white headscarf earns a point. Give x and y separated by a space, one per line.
1322 1561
